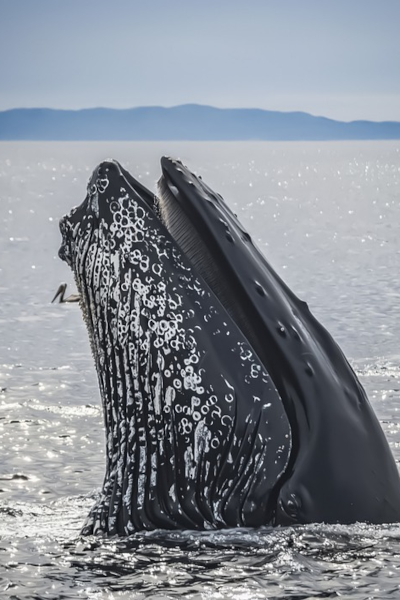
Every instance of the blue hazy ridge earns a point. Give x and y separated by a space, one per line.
186 122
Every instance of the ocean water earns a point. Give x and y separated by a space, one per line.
327 217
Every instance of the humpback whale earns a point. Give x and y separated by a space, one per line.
226 403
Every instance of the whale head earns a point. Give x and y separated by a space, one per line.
226 403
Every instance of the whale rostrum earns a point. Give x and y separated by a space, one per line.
226 403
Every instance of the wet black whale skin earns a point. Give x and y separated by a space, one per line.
334 463
341 469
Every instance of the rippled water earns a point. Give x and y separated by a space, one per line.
327 217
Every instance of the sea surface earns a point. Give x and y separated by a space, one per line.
327 216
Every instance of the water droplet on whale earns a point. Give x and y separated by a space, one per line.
281 330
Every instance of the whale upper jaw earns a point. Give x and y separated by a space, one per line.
340 468
328 461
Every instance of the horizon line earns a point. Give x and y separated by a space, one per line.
193 104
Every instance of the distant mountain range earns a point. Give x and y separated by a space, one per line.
186 122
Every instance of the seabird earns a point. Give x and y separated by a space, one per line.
60 293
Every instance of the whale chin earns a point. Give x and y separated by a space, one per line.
226 403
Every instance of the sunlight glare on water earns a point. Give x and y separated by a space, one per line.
326 216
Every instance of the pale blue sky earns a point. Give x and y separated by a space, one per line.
337 58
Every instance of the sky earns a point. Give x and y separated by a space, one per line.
336 58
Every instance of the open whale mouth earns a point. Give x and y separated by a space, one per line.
202 235
223 253
226 403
